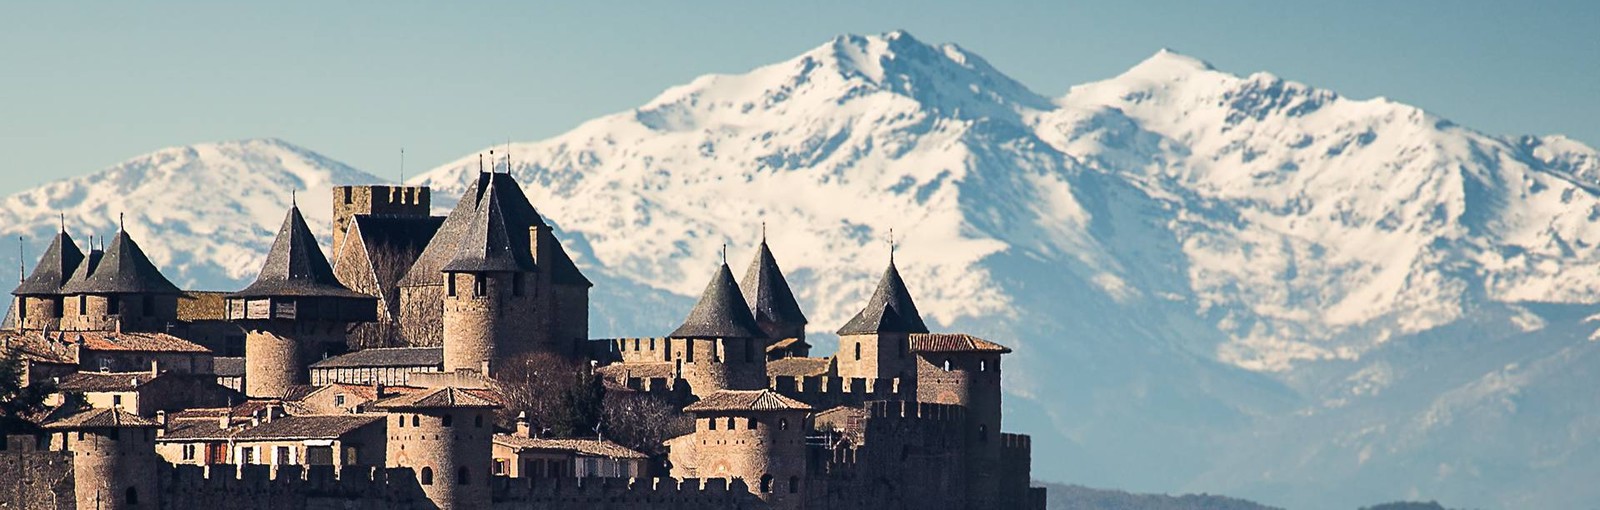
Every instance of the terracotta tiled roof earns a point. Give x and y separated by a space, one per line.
586 447
104 381
439 398
798 367
37 348
366 392
746 400
101 418
280 428
721 312
142 342
387 357
953 342
202 305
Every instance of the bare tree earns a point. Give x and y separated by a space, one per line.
561 396
643 421
396 326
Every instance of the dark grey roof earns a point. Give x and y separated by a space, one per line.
124 269
53 269
228 366
890 309
490 243
387 357
562 270
296 267
768 293
721 312
406 234
515 210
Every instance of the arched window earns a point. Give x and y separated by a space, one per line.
427 475
463 477
947 364
766 484
478 421
858 351
794 484
131 497
750 423
711 423
415 420
783 424
449 419
983 365
400 421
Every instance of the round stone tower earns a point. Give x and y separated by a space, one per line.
445 436
720 346
755 435
114 461
873 345
120 290
295 313
489 293
964 370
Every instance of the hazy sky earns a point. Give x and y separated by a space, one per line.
84 86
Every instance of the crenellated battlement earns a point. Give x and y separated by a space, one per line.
823 392
925 411
1009 441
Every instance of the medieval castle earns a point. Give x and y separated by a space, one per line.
262 398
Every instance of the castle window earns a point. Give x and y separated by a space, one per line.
500 467
348 196
636 344
427 475
83 305
731 424
338 400
766 484
57 307
116 401
858 351
983 365
449 420
131 497
711 424
463 476
114 305
783 424
400 421
750 423
415 421
794 484
450 284
947 364
652 344
188 452
480 285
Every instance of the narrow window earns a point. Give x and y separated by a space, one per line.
131 497
338 400
500 467
858 351
750 423
480 285
711 425
783 424
463 476
83 305
400 421
448 419
947 365
450 284
983 365
116 401
766 484
427 475
348 198
414 420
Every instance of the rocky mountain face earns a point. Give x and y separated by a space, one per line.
1214 283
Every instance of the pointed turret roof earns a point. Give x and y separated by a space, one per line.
491 243
562 270
721 312
296 266
54 268
767 292
124 269
515 209
890 310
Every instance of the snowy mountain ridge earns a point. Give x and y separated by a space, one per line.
1217 283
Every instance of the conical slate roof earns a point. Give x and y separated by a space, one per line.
515 210
490 243
562 270
296 266
124 269
54 268
768 293
890 309
721 312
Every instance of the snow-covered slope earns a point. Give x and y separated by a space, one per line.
1214 283
205 213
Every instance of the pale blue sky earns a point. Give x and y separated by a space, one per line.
83 86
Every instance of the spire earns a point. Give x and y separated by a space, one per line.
767 292
295 265
490 243
721 312
54 268
123 269
889 310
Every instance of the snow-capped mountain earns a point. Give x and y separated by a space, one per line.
1213 282
205 213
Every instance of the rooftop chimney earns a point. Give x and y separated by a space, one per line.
523 429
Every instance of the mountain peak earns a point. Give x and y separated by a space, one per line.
1168 64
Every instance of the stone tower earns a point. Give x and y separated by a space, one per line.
119 290
772 302
720 346
965 370
114 461
40 302
756 435
489 294
445 435
294 313
874 343
564 294
352 201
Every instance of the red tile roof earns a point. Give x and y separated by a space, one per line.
746 400
953 342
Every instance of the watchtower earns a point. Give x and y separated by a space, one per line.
756 435
114 462
40 303
352 201
488 300
446 436
874 344
295 312
771 301
119 290
965 370
720 346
